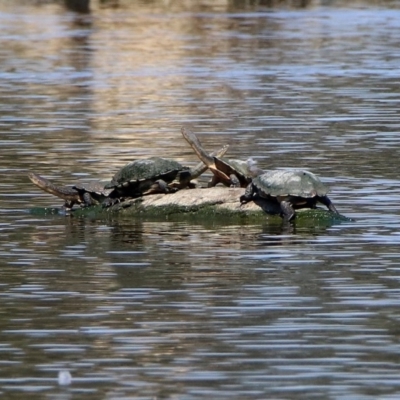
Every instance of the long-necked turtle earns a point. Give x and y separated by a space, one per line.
153 175
292 189
139 178
230 172
84 194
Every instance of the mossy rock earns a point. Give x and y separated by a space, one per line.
218 203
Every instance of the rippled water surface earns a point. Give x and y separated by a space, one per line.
190 309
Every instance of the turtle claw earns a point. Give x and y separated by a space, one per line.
244 199
68 206
287 211
111 201
235 183
162 186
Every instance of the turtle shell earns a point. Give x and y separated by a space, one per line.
92 192
297 183
94 187
238 166
232 166
150 169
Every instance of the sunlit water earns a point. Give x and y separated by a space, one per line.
150 309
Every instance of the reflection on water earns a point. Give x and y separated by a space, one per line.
194 309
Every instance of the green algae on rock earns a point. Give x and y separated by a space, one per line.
207 203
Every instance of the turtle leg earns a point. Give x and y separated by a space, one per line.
87 200
234 180
161 186
287 210
69 204
110 201
193 184
326 201
214 181
248 194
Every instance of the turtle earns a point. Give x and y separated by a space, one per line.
292 189
229 172
92 193
88 194
153 175
138 178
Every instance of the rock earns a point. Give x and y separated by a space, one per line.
205 203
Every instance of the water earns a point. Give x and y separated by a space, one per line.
190 309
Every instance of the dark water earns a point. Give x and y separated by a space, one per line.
144 309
